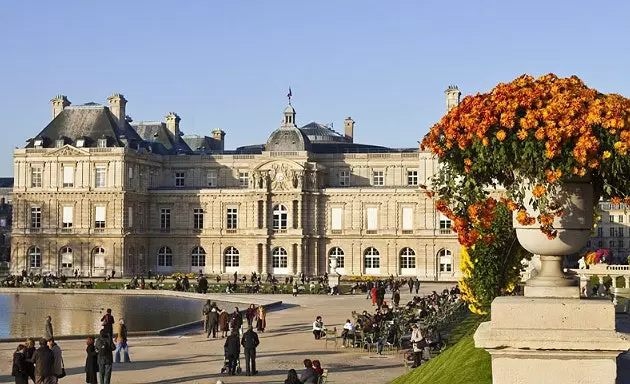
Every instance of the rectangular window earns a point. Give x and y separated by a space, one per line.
232 218
620 219
611 244
412 178
68 176
620 233
378 178
336 215
101 176
67 217
243 179
101 143
130 172
165 218
36 217
407 219
36 177
612 232
344 178
372 219
600 232
611 218
198 218
59 143
130 217
213 179
99 217
445 225
620 243
179 179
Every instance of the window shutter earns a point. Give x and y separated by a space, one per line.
68 175
67 215
407 218
372 218
336 218
100 214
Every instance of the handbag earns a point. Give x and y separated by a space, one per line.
63 373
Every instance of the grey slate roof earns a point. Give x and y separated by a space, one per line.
6 182
201 144
89 122
162 141
320 133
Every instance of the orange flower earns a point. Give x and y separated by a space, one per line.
545 219
538 191
501 135
616 200
512 206
522 134
540 133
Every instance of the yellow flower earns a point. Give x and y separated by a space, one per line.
501 135
606 155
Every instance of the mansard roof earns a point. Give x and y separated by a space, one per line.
322 133
89 122
160 138
201 144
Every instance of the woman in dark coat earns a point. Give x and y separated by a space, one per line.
28 353
224 323
19 369
91 362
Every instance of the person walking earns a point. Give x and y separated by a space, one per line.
121 342
48 328
59 370
107 321
213 322
416 285
232 351
28 353
44 359
237 321
91 362
224 323
104 347
410 284
250 342
250 314
19 370
205 312
261 319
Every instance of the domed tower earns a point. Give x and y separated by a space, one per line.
452 97
288 137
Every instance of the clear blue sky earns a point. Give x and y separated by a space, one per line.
228 64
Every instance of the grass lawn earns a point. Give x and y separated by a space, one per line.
461 362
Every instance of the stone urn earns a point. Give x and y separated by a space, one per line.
574 229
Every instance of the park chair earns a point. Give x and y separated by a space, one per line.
332 337
350 339
323 378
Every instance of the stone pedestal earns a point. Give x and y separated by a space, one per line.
537 340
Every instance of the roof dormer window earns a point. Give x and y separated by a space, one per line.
38 143
102 143
59 143
80 143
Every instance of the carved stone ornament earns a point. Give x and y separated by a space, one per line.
68 151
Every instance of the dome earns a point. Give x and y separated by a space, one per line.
291 139
317 133
289 109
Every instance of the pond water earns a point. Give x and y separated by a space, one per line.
23 314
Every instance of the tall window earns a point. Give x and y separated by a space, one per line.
407 258
412 178
372 219
279 258
243 179
101 143
101 176
98 255
99 217
446 260
165 257
35 257
213 179
36 217
407 220
445 225
66 257
231 257
198 257
36 177
372 260
344 178
198 218
67 217
378 178
165 218
68 176
612 232
620 234
179 179
600 232
280 214
336 214
338 253
232 218
620 219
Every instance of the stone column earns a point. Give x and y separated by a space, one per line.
627 280
265 260
300 255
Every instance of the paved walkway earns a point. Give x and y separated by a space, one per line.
288 340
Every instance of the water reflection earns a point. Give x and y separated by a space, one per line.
23 314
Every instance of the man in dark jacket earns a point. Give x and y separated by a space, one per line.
213 321
104 347
48 329
232 351
250 342
108 323
44 360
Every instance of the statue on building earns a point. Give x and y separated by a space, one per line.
313 179
255 180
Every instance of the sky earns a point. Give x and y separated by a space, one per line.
229 64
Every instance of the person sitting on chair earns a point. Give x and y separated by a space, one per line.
319 330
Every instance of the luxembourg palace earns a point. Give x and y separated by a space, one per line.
97 192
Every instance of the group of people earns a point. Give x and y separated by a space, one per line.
218 320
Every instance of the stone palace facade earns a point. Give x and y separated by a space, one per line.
97 192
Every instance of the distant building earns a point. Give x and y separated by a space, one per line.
6 217
612 231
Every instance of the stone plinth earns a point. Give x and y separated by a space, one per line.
551 340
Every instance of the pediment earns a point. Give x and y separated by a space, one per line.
68 150
275 164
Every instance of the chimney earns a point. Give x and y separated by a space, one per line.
452 97
349 128
59 102
219 136
117 104
172 123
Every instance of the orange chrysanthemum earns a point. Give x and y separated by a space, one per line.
538 191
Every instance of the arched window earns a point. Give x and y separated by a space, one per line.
35 257
280 214
372 261
66 257
99 257
279 260
165 257
338 253
407 258
231 257
198 257
446 260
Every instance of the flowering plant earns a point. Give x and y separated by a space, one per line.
529 133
